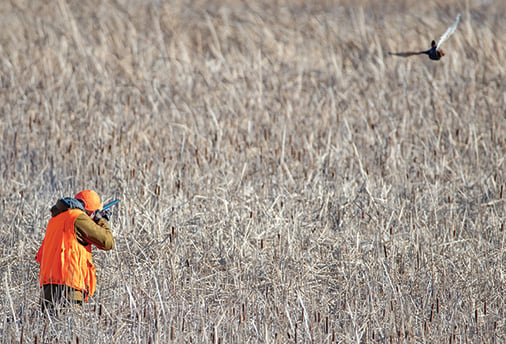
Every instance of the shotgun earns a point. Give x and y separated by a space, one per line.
105 212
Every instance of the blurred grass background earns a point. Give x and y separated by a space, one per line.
282 179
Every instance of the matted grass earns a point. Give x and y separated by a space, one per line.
282 179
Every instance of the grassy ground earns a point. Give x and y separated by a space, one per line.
281 177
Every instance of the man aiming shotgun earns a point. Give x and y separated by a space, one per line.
67 273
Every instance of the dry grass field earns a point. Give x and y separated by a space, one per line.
282 178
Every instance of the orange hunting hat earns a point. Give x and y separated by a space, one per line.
91 200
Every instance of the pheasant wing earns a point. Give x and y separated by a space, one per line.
448 32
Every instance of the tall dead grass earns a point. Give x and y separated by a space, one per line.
282 179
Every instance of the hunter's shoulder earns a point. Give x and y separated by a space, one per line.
65 204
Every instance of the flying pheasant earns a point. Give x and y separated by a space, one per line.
435 52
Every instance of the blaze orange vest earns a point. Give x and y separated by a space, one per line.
63 260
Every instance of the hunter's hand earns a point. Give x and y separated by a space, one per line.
99 214
106 214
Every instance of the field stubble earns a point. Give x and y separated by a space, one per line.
282 179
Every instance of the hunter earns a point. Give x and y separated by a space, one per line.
67 273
